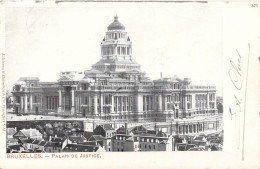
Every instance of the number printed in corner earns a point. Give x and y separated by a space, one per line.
254 5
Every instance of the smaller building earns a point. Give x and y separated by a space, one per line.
141 139
49 147
18 148
76 139
10 140
105 130
28 134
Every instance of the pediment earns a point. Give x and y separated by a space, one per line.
65 78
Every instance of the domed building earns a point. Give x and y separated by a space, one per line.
116 89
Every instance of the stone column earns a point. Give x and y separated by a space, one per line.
41 103
125 104
139 103
21 102
160 102
79 103
115 50
51 102
60 100
95 105
144 103
165 103
207 100
72 101
215 101
31 102
25 103
117 104
112 104
55 103
101 103
89 104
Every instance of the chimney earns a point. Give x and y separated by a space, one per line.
161 75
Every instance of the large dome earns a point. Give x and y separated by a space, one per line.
116 25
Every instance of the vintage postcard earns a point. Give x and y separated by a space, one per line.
166 84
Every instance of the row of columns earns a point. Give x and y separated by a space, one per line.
25 104
120 50
72 100
190 128
123 101
116 103
52 102
148 103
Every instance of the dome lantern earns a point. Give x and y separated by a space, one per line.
116 25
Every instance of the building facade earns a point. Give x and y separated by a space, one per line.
140 139
116 89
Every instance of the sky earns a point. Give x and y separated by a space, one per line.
183 39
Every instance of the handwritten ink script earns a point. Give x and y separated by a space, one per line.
236 77
239 83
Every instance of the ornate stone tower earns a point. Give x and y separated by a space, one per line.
116 51
116 44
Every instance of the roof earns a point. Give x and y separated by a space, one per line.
139 129
199 138
161 134
10 131
97 138
11 140
130 139
43 143
15 147
24 140
77 139
163 142
20 83
87 80
121 130
80 148
87 134
89 143
35 141
108 127
71 77
116 25
28 133
29 78
57 139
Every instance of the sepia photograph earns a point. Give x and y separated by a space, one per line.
130 80
142 84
